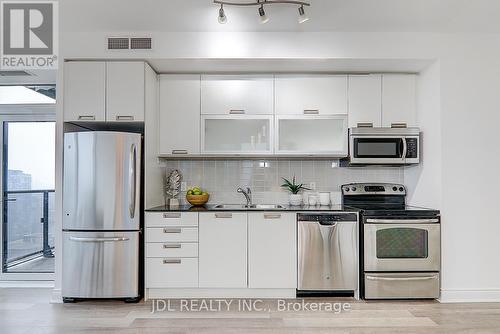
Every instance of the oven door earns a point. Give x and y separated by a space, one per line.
401 245
377 149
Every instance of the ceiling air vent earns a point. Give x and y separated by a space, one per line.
140 43
118 43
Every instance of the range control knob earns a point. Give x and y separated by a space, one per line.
401 188
394 188
346 189
353 188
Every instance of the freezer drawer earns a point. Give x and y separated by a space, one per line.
172 273
100 264
401 285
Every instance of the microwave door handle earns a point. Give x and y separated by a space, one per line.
405 148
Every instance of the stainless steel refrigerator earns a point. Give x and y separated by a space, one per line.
101 215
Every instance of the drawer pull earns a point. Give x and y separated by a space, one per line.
124 118
179 152
168 246
399 125
272 216
172 230
311 111
171 215
171 261
224 215
86 118
236 111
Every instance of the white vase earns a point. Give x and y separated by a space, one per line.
295 199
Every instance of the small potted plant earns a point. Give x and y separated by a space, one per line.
295 198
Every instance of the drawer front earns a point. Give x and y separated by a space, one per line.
171 249
171 273
175 234
401 285
158 219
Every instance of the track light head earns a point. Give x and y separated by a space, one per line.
262 15
222 15
302 15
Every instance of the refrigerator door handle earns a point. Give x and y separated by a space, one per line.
132 179
82 239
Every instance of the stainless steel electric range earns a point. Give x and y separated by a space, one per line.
400 245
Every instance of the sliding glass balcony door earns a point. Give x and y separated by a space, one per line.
28 176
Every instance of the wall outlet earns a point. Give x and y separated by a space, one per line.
183 186
312 185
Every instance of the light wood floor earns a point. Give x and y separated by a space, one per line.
29 311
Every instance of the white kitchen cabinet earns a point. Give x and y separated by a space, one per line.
365 100
312 135
398 99
84 91
179 119
171 273
125 91
311 94
237 94
223 250
272 250
237 134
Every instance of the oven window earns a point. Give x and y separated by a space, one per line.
402 242
377 147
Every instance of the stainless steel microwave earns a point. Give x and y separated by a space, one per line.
384 146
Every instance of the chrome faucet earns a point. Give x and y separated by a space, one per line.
247 194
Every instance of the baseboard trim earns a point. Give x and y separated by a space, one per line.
470 296
26 284
56 297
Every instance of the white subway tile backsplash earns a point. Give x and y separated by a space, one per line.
221 178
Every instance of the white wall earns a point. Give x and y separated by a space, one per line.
468 67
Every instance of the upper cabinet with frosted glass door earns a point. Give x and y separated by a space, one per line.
311 115
237 114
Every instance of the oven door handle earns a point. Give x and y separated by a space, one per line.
402 221
418 278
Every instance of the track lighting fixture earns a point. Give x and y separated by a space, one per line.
222 15
262 14
302 15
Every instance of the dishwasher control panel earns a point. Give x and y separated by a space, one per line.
328 217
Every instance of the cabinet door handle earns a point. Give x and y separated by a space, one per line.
167 246
179 152
272 215
399 125
124 118
237 111
224 215
172 230
172 261
365 125
86 118
172 215
311 111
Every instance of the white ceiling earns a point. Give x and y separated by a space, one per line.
326 15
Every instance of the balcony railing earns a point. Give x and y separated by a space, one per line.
27 230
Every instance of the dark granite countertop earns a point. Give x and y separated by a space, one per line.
211 207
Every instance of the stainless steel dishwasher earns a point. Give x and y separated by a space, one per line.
328 253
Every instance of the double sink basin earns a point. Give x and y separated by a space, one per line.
249 207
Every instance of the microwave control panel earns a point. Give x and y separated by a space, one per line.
412 145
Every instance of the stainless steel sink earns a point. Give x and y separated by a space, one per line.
249 207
